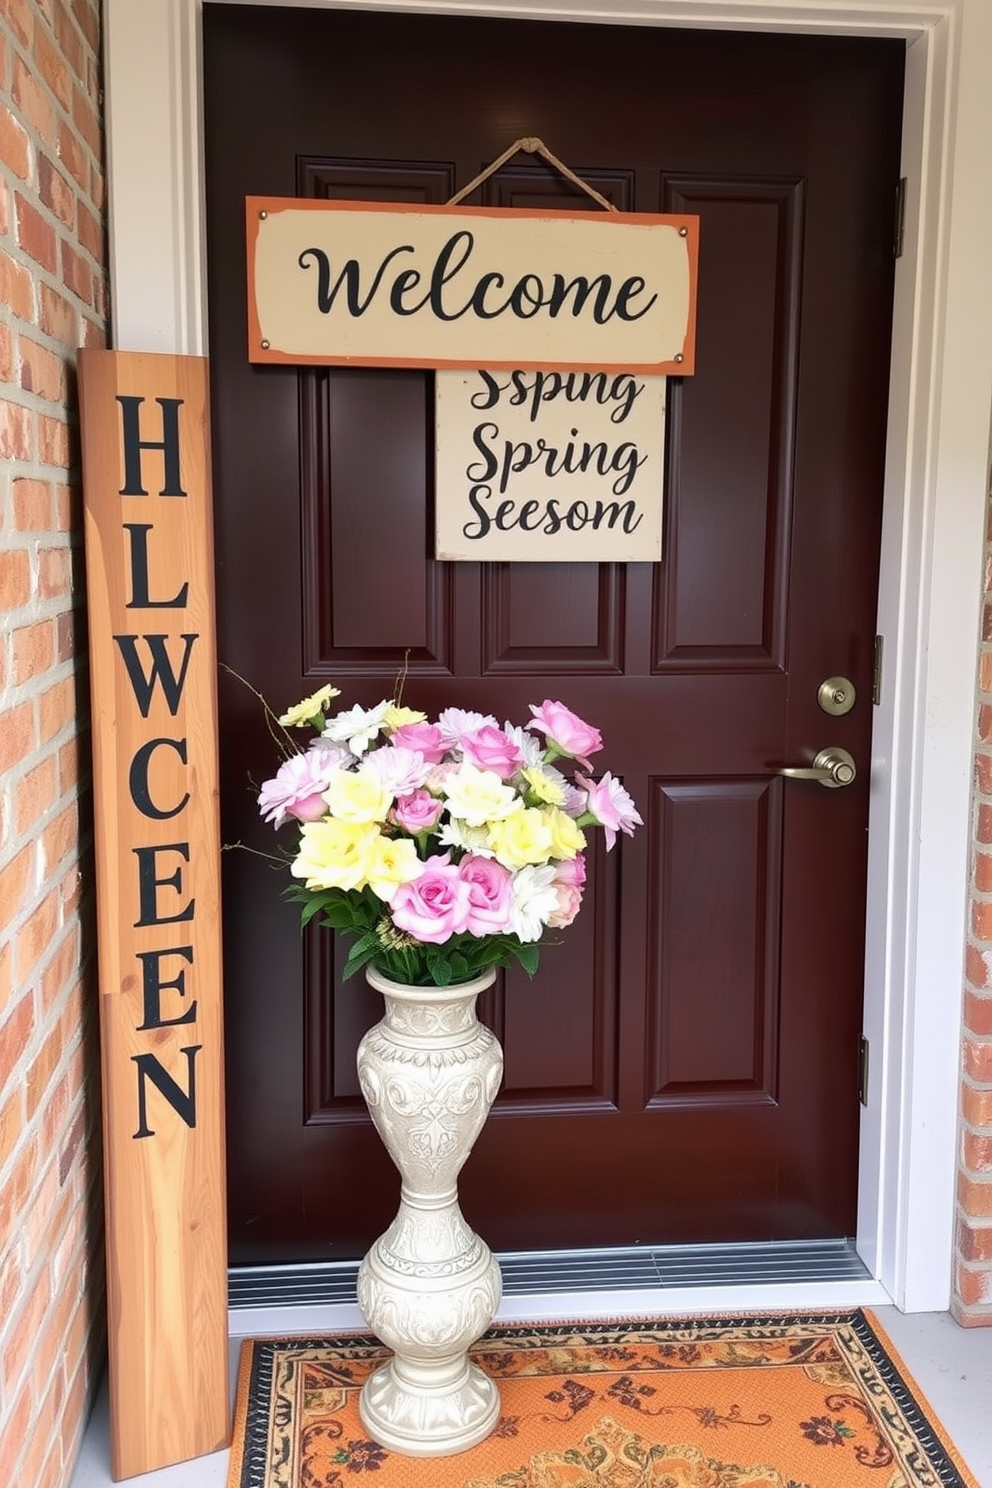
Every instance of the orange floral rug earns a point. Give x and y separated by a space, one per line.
780 1401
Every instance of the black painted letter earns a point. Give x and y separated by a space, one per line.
148 884
183 1102
134 444
140 598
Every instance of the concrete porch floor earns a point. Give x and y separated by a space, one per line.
951 1365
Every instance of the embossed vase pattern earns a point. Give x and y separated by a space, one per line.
429 1287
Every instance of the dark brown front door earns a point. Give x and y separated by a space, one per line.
684 1067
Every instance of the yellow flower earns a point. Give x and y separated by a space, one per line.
392 861
310 708
357 796
567 839
479 796
398 717
544 786
521 838
334 854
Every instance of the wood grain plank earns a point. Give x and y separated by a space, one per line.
149 561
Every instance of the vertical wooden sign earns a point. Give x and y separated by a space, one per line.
149 566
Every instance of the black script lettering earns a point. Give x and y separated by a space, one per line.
485 472
537 388
525 299
571 459
137 779
149 884
553 521
628 290
349 275
626 460
140 596
444 270
610 511
478 529
402 284
523 296
478 300
152 987
601 313
162 670
490 394
183 1102
583 288
530 516
134 444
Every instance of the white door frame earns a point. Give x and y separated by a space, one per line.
933 530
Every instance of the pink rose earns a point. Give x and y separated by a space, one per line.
570 876
489 748
296 790
425 737
569 904
417 812
609 804
565 731
435 906
490 895
572 871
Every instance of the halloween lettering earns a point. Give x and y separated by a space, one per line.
156 664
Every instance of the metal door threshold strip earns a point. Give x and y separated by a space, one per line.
539 1272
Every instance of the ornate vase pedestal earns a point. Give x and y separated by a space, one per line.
429 1287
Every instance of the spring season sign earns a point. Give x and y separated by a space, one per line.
394 284
549 466
149 568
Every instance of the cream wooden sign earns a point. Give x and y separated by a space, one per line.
149 566
391 284
549 466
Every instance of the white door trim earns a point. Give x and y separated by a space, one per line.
933 532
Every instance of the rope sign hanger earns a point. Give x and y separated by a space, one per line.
533 146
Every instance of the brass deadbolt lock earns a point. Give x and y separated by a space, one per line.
837 696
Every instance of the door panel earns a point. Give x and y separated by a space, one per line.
684 1067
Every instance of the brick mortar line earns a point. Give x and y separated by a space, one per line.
15 694
42 275
26 56
69 924
32 1126
32 401
44 338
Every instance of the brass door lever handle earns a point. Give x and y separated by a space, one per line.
832 767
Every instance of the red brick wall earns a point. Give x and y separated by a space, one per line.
972 1303
52 299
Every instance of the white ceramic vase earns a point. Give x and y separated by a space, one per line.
429 1287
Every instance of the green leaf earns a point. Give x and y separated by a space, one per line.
339 914
438 966
361 953
458 967
527 955
312 907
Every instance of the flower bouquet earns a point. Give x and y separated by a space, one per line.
443 848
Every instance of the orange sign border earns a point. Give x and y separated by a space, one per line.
255 206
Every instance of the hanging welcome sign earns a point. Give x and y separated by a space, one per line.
394 284
549 466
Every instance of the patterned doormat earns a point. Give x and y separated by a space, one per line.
813 1400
